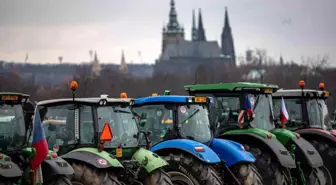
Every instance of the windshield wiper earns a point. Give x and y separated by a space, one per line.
191 115
122 111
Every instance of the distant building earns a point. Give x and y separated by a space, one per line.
181 55
95 69
123 65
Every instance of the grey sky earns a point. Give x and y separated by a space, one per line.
47 29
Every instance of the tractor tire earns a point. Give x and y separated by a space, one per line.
60 180
192 170
271 171
87 175
247 174
319 176
328 154
158 177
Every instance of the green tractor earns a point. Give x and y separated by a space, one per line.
100 139
17 156
243 112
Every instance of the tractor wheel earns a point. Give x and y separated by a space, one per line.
86 175
319 176
270 170
328 154
60 180
247 174
158 177
185 169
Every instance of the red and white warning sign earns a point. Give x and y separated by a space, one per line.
241 116
183 109
102 162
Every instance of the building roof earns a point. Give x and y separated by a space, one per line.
183 48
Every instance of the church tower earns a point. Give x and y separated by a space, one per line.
95 70
200 31
123 66
227 40
173 31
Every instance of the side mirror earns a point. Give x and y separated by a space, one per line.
142 122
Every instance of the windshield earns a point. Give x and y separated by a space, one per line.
262 108
294 109
122 123
12 126
59 124
193 121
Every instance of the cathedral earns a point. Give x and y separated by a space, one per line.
180 55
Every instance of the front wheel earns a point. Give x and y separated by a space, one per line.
246 174
60 180
187 170
86 175
158 177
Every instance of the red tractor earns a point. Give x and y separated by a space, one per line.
308 115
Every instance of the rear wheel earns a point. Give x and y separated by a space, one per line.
86 175
319 176
60 180
247 174
158 177
185 169
328 154
270 170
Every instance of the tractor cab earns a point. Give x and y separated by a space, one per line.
306 108
71 123
15 119
172 117
238 105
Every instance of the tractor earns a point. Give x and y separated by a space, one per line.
237 102
99 138
16 154
308 116
181 133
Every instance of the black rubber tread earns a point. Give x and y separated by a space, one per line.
251 175
91 176
328 155
60 180
271 171
319 176
158 177
198 172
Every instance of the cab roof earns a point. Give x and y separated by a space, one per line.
160 99
228 86
85 100
295 92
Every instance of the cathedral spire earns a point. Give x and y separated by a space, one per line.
193 29
95 69
201 32
173 24
227 40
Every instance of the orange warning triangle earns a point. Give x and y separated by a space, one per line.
106 134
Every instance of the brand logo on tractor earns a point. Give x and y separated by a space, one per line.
102 162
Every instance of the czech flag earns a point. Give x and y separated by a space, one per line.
283 112
248 107
39 141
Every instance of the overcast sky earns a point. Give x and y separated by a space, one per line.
46 29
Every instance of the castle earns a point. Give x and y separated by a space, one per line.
180 55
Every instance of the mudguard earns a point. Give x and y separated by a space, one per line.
231 152
149 160
8 169
305 150
188 146
279 150
53 167
314 133
93 157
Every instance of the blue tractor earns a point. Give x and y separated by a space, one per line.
180 132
